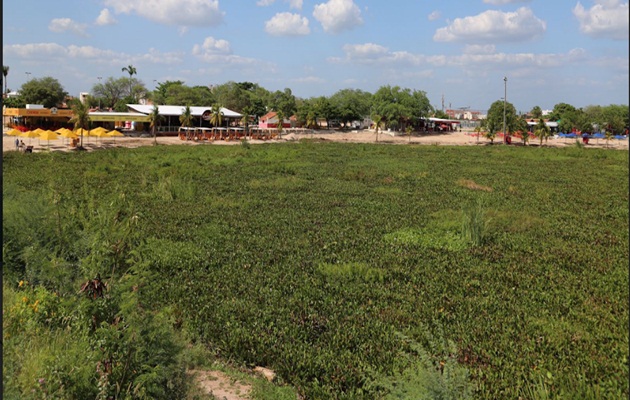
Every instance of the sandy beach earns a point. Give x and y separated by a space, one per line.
463 138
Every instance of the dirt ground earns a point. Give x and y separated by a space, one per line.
463 138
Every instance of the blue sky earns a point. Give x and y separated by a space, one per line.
556 51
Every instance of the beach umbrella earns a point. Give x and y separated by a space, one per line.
99 132
96 131
30 135
49 135
14 132
115 134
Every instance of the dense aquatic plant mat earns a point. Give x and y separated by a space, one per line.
333 263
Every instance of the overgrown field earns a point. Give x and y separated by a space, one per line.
352 270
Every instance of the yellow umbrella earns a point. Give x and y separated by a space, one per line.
49 135
15 132
100 132
96 131
115 134
81 130
67 133
63 132
30 135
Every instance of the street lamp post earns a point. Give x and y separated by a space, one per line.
504 102
99 97
28 76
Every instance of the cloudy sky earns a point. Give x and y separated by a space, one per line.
458 50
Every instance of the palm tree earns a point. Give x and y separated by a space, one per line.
378 122
542 130
608 134
478 131
280 116
154 121
5 72
131 70
186 119
81 118
217 115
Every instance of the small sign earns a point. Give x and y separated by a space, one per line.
206 115
53 110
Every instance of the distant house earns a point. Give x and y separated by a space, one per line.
270 120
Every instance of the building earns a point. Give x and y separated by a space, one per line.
464 114
134 119
270 120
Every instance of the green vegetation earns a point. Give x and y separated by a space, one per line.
351 270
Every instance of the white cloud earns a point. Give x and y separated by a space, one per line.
60 25
479 49
502 2
493 26
287 24
606 19
434 15
212 46
308 79
480 57
172 12
219 51
45 53
365 51
297 4
338 15
105 18
157 57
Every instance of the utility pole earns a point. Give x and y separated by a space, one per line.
504 102
442 101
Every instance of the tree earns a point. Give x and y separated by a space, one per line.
478 131
542 130
608 135
409 130
440 114
522 127
283 101
494 120
176 92
536 112
399 106
216 118
560 110
325 109
80 117
5 72
280 116
46 91
14 102
154 121
378 122
131 70
351 104
186 119
110 92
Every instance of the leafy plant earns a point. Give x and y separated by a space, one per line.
475 222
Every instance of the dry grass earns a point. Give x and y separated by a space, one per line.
470 184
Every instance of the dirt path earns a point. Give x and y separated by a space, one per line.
464 138
220 385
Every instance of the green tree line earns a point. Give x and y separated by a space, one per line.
396 108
